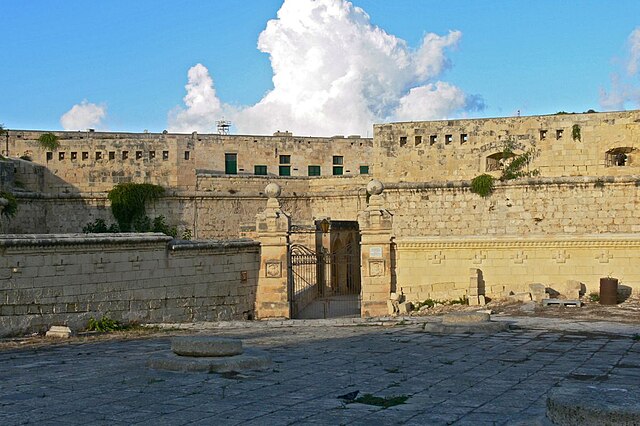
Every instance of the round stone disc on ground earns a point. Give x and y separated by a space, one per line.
251 359
594 405
206 346
466 318
465 322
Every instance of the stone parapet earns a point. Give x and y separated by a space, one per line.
66 279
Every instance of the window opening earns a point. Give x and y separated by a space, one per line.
231 164
313 171
260 170
364 170
285 159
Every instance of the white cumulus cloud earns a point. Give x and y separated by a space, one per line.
334 72
625 88
634 52
202 106
84 115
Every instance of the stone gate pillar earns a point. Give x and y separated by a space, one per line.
272 228
375 236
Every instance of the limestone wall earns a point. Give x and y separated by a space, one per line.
66 279
462 149
96 161
439 267
555 206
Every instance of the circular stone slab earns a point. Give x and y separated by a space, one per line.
480 327
594 405
207 346
252 359
465 318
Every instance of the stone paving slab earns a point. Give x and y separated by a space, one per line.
501 378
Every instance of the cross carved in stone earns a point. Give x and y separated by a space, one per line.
561 256
479 257
604 256
519 257
437 257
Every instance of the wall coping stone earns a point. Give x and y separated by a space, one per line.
23 240
529 181
181 245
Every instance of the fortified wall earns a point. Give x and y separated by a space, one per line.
575 221
597 144
89 162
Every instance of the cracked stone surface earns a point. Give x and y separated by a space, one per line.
472 379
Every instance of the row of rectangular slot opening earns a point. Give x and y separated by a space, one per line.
464 138
111 155
433 139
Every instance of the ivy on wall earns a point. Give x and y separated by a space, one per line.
128 202
49 141
512 167
10 209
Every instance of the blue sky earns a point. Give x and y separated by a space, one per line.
131 59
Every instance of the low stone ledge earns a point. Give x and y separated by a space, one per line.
205 346
594 405
466 318
251 359
465 322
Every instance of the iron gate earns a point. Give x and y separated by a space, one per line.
324 284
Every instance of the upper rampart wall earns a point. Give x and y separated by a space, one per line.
97 161
462 149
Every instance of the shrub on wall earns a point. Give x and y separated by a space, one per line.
10 209
515 168
482 185
575 133
49 141
128 203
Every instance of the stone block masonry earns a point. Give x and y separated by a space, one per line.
438 268
64 279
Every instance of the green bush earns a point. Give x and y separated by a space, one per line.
105 324
128 204
482 185
99 226
514 168
159 225
575 133
49 141
10 209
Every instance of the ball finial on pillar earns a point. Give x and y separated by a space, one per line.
375 187
273 190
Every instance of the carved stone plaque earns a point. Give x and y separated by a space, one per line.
273 269
376 268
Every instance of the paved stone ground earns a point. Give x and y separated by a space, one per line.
453 379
